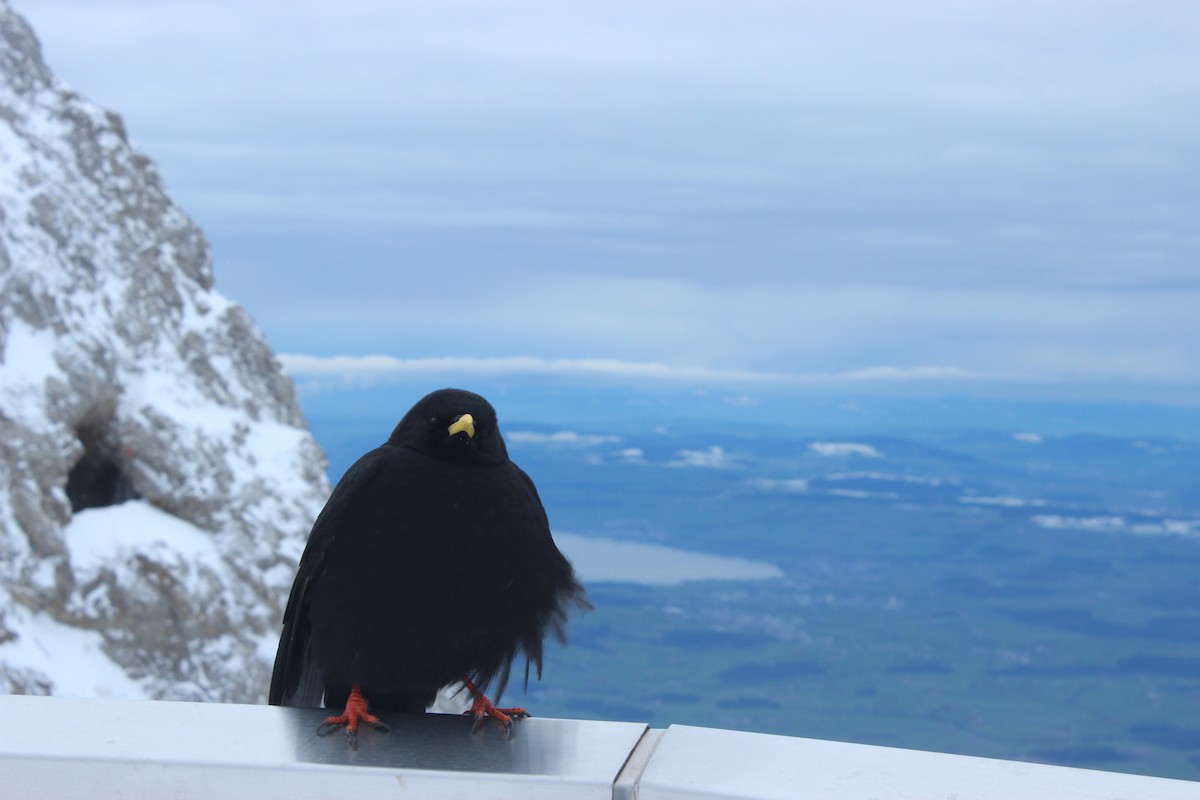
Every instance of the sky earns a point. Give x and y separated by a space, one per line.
992 197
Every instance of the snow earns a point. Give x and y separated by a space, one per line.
28 361
98 536
29 353
120 346
73 659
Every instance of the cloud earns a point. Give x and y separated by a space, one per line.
1109 524
772 194
1091 343
742 400
885 477
375 368
632 455
1002 502
381 366
801 485
713 458
1096 524
779 484
861 494
560 437
844 450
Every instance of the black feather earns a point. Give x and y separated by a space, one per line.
432 561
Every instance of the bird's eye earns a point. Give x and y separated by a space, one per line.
433 421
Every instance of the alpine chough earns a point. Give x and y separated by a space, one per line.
431 563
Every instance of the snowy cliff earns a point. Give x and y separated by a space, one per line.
157 480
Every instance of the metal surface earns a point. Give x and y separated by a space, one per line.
57 747
730 764
625 787
52 748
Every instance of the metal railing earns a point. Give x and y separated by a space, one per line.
53 747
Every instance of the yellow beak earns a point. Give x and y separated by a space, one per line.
464 423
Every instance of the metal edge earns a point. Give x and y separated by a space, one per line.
625 787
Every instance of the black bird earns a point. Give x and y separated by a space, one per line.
431 563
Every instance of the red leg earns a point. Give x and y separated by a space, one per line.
482 707
357 710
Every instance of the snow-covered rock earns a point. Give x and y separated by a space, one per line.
125 377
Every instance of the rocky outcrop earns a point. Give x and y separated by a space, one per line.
126 377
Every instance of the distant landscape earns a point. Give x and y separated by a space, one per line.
1008 580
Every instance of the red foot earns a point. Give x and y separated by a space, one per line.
357 710
482 707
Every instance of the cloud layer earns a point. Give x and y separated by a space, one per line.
999 192
375 368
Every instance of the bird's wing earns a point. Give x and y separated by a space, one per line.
297 679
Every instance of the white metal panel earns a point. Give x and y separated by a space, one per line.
693 762
54 748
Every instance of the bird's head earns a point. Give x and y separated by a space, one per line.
452 424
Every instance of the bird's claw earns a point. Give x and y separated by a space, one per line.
332 724
483 708
327 727
357 711
507 722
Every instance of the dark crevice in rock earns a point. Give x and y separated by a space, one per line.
97 481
